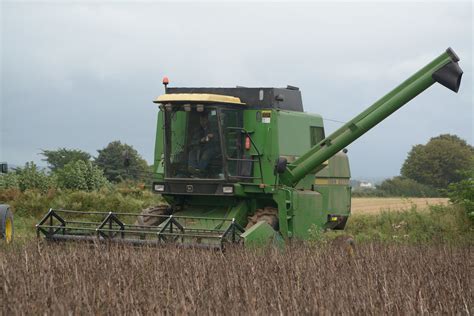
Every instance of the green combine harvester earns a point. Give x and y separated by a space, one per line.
245 165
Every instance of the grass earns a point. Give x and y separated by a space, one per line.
34 203
24 228
377 204
29 206
438 224
429 224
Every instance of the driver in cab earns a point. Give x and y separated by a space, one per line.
204 146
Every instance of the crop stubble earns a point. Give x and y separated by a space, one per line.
374 205
110 279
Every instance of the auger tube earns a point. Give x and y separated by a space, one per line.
444 70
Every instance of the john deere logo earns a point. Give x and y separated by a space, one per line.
189 188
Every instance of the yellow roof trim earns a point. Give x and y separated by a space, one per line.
197 97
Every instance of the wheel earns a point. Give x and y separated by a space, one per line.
6 224
267 214
144 219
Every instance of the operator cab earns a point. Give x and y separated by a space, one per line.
204 140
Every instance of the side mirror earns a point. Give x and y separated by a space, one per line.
280 165
4 168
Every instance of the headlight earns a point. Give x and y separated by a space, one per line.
228 189
159 187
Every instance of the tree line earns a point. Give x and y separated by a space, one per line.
436 168
443 165
78 170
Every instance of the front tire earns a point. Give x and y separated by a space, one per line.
267 214
6 224
147 217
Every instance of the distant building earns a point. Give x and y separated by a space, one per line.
366 185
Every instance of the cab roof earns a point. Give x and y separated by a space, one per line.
288 98
198 97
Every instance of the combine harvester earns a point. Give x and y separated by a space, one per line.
245 165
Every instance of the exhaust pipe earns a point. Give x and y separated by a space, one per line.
450 74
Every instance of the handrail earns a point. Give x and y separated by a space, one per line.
247 133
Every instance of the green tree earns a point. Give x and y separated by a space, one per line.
462 193
443 160
400 186
57 159
30 177
121 162
81 175
9 181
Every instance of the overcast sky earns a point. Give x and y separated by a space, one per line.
82 74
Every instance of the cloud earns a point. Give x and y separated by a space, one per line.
83 74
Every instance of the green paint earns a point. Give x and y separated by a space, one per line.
159 140
260 235
294 138
307 210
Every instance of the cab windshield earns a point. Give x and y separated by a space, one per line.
203 142
193 145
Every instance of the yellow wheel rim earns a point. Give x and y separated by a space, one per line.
8 230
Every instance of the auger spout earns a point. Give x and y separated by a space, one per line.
443 69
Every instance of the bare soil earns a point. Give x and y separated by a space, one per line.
376 205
